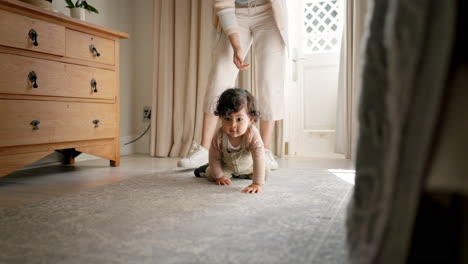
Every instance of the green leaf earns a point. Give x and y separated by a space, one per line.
81 4
92 9
69 4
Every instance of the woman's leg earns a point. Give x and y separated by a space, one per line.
209 126
222 76
270 56
266 131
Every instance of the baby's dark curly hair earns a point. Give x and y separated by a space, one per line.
232 100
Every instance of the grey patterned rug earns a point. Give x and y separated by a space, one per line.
173 217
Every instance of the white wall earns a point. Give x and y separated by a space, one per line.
143 75
136 19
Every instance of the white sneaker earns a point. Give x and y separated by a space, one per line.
197 157
270 160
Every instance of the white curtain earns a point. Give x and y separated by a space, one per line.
350 77
184 38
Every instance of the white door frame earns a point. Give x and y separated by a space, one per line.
309 133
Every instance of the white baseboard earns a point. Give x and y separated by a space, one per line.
85 156
127 149
124 150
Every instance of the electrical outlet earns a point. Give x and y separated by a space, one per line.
146 113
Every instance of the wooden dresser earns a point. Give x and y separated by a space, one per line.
59 87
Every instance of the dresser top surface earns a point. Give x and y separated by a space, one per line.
24 8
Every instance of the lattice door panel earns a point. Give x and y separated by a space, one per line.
322 30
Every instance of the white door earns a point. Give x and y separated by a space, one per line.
316 27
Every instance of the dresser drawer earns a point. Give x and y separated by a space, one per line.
17 75
15 72
90 82
89 47
58 122
18 31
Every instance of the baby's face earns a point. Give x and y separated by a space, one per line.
236 124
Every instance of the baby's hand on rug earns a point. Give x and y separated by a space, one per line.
223 181
252 188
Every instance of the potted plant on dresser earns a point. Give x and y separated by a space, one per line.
77 9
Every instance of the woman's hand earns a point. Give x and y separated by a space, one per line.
252 188
238 52
239 59
223 181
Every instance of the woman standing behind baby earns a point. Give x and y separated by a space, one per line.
237 148
262 25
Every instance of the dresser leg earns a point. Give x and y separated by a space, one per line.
115 163
69 155
104 151
69 160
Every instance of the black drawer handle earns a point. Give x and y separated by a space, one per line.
94 85
35 124
32 76
93 50
96 123
33 36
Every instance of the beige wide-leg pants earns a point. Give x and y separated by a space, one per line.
257 28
